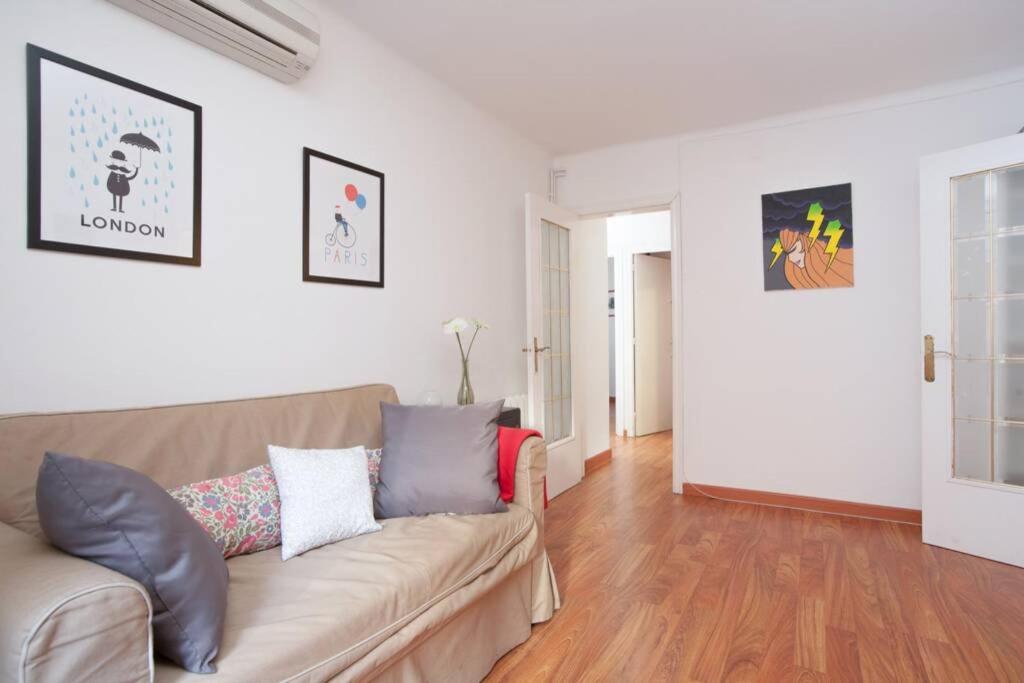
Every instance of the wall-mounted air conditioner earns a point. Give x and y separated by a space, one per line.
277 37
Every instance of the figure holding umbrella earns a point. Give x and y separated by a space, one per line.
121 175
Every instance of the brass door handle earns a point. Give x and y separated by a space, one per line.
929 357
536 351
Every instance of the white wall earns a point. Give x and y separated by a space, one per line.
812 392
590 306
89 332
629 234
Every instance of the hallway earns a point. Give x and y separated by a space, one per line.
657 586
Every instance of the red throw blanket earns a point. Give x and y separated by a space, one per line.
509 442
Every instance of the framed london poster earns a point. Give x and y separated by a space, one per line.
342 221
114 165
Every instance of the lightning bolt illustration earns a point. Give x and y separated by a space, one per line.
777 250
814 214
833 231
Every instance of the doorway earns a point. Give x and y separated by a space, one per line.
640 322
583 363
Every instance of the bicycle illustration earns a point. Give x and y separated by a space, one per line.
343 233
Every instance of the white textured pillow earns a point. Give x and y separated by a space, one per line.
325 496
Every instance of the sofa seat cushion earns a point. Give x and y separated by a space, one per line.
313 616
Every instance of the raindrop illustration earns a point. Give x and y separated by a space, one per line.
86 143
166 195
165 208
72 131
81 187
143 202
114 110
158 135
145 123
71 112
82 129
87 202
81 112
169 145
94 109
76 100
156 200
136 124
169 132
72 148
114 129
86 95
172 184
161 120
170 166
156 181
95 181
106 138
103 118
146 181
154 120
130 113
94 157
99 142
71 173
155 165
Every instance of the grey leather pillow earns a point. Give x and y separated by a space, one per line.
439 459
123 520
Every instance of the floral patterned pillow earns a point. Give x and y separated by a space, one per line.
242 512
373 463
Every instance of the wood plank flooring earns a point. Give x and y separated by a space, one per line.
658 587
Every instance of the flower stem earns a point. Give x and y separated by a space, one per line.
462 353
471 342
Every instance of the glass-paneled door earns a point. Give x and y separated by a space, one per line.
548 352
972 286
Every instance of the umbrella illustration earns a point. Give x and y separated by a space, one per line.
141 141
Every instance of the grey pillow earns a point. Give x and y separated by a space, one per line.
439 459
124 521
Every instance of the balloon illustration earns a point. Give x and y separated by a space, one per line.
351 192
361 201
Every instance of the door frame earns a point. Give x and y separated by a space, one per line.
673 204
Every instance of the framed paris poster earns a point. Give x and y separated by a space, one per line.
114 165
342 221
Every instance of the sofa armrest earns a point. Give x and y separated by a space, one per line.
67 619
531 469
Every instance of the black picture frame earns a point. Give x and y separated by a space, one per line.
308 154
35 56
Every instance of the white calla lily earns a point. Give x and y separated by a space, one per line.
455 325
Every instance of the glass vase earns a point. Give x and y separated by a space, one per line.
465 396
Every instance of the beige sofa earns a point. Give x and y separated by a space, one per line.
438 598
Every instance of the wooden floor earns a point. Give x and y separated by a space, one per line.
656 586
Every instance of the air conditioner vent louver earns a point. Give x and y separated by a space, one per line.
276 37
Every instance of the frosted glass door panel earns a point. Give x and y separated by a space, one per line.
988 326
557 306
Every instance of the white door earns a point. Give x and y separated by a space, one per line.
652 343
972 314
549 347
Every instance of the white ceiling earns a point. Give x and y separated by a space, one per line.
579 74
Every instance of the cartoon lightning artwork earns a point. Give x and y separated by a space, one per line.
777 250
834 232
815 215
